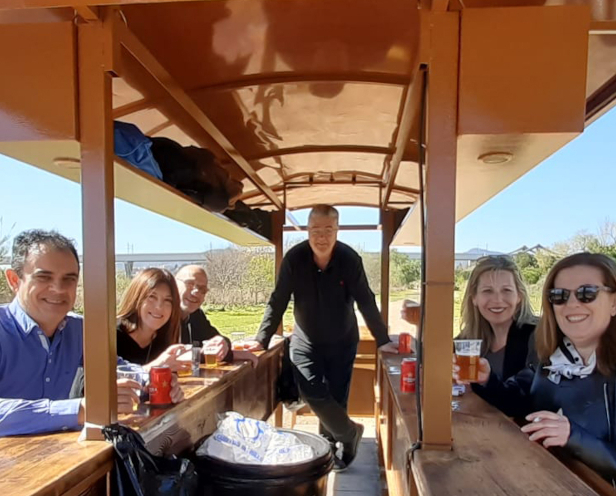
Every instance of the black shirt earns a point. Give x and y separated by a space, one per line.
323 299
197 327
130 350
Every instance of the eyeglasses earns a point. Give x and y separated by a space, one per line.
191 286
584 294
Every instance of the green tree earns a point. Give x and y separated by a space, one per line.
259 278
406 270
524 260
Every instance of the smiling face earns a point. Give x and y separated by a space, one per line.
497 297
322 234
583 323
193 286
48 286
156 309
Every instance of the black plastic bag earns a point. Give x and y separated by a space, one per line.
288 392
140 473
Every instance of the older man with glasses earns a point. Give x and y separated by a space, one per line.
193 286
325 277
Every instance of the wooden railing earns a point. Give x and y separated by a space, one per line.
60 465
490 454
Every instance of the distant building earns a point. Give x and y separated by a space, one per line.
465 259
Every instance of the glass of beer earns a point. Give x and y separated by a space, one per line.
468 352
186 359
237 340
210 356
413 312
135 373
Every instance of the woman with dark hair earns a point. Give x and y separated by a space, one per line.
569 397
149 320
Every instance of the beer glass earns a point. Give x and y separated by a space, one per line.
135 373
237 339
210 356
186 369
468 352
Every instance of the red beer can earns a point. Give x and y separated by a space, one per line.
404 343
408 375
160 386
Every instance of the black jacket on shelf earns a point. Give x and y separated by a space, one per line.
588 403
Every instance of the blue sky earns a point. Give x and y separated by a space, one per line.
573 190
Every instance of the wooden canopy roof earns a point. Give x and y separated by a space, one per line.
320 101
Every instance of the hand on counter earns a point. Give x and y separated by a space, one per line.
171 358
220 344
246 355
253 346
553 428
389 348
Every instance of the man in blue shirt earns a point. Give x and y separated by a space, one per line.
41 343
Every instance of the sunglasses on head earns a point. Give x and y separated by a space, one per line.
584 294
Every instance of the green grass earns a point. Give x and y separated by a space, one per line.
242 318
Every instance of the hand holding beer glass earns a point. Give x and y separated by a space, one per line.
410 312
210 352
468 366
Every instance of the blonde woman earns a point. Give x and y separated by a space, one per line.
568 397
496 309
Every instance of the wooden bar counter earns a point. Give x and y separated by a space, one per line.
490 455
57 464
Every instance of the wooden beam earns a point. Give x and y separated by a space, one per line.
387 221
49 4
87 13
602 27
440 190
278 219
410 111
166 81
440 5
323 149
97 190
601 101
293 221
301 184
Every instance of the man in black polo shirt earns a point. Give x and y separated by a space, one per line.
325 277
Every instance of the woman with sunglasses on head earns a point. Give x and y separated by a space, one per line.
568 398
496 309
149 321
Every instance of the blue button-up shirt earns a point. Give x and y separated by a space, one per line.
36 374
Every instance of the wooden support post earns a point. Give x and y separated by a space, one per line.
388 229
278 220
440 229
97 189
